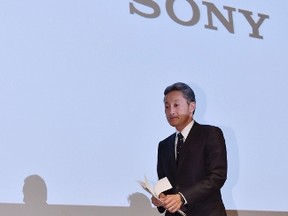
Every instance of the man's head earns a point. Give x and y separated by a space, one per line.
187 92
180 105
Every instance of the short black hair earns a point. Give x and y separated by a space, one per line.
187 92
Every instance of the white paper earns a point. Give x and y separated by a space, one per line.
160 186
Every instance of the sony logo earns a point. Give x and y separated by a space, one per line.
255 22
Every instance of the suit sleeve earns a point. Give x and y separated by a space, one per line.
160 174
215 168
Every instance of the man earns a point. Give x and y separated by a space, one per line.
197 170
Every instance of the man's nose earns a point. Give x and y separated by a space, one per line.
171 111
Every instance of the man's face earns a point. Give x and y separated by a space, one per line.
179 112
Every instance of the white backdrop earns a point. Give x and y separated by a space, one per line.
81 96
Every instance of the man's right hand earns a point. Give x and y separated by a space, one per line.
157 202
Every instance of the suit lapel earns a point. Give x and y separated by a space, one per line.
171 154
172 151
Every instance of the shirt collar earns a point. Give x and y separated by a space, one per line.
186 130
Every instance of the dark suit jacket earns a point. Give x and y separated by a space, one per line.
201 170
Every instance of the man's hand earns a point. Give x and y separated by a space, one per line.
157 202
172 202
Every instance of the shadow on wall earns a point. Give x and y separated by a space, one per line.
35 204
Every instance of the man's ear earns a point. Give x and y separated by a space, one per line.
192 106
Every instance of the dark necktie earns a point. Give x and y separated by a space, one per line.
179 146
